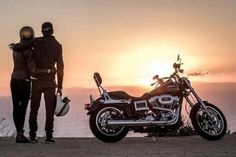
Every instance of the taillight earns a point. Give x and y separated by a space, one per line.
86 106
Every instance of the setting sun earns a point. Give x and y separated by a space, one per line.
155 68
126 46
82 72
139 63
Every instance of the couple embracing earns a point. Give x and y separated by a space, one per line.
36 63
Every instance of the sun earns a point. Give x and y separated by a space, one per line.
161 68
138 65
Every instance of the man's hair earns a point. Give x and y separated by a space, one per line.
47 28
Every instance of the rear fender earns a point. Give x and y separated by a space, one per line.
94 106
97 104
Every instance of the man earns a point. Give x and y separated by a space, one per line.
47 53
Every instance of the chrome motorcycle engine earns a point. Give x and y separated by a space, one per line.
164 106
164 101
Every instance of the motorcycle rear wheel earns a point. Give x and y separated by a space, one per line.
206 127
106 134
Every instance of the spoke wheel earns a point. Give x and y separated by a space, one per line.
109 113
210 127
100 129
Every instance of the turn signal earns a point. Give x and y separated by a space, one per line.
86 106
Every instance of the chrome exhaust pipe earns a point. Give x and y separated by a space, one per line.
133 123
130 123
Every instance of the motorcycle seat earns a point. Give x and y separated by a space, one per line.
124 95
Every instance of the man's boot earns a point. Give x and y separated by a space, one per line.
33 138
49 138
20 138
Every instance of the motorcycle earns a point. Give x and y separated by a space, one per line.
115 113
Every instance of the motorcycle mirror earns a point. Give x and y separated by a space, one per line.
156 77
178 58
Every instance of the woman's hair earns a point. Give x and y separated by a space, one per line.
26 32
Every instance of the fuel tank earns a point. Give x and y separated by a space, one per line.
168 87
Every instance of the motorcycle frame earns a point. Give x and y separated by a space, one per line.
107 100
184 84
177 78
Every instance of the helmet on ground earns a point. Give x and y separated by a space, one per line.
26 32
62 106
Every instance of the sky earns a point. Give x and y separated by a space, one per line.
128 41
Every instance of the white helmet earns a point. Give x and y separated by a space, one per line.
62 106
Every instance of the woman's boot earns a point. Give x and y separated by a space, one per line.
20 138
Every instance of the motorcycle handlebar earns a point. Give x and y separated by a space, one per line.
161 80
176 66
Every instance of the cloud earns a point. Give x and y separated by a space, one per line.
201 74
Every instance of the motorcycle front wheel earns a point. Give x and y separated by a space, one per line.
99 128
209 127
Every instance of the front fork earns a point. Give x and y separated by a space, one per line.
197 98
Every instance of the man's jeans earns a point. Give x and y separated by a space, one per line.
48 88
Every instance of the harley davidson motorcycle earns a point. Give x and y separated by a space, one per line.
115 113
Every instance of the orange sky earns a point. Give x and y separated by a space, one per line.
128 41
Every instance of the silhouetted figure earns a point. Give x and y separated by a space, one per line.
47 53
20 82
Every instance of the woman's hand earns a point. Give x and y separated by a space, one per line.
59 91
11 46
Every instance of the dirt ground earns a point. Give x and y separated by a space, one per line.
193 146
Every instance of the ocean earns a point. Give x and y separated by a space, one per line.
76 122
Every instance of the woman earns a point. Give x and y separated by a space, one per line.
24 66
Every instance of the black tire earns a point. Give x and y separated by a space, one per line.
202 133
98 134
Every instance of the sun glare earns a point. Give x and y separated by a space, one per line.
160 68
138 65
